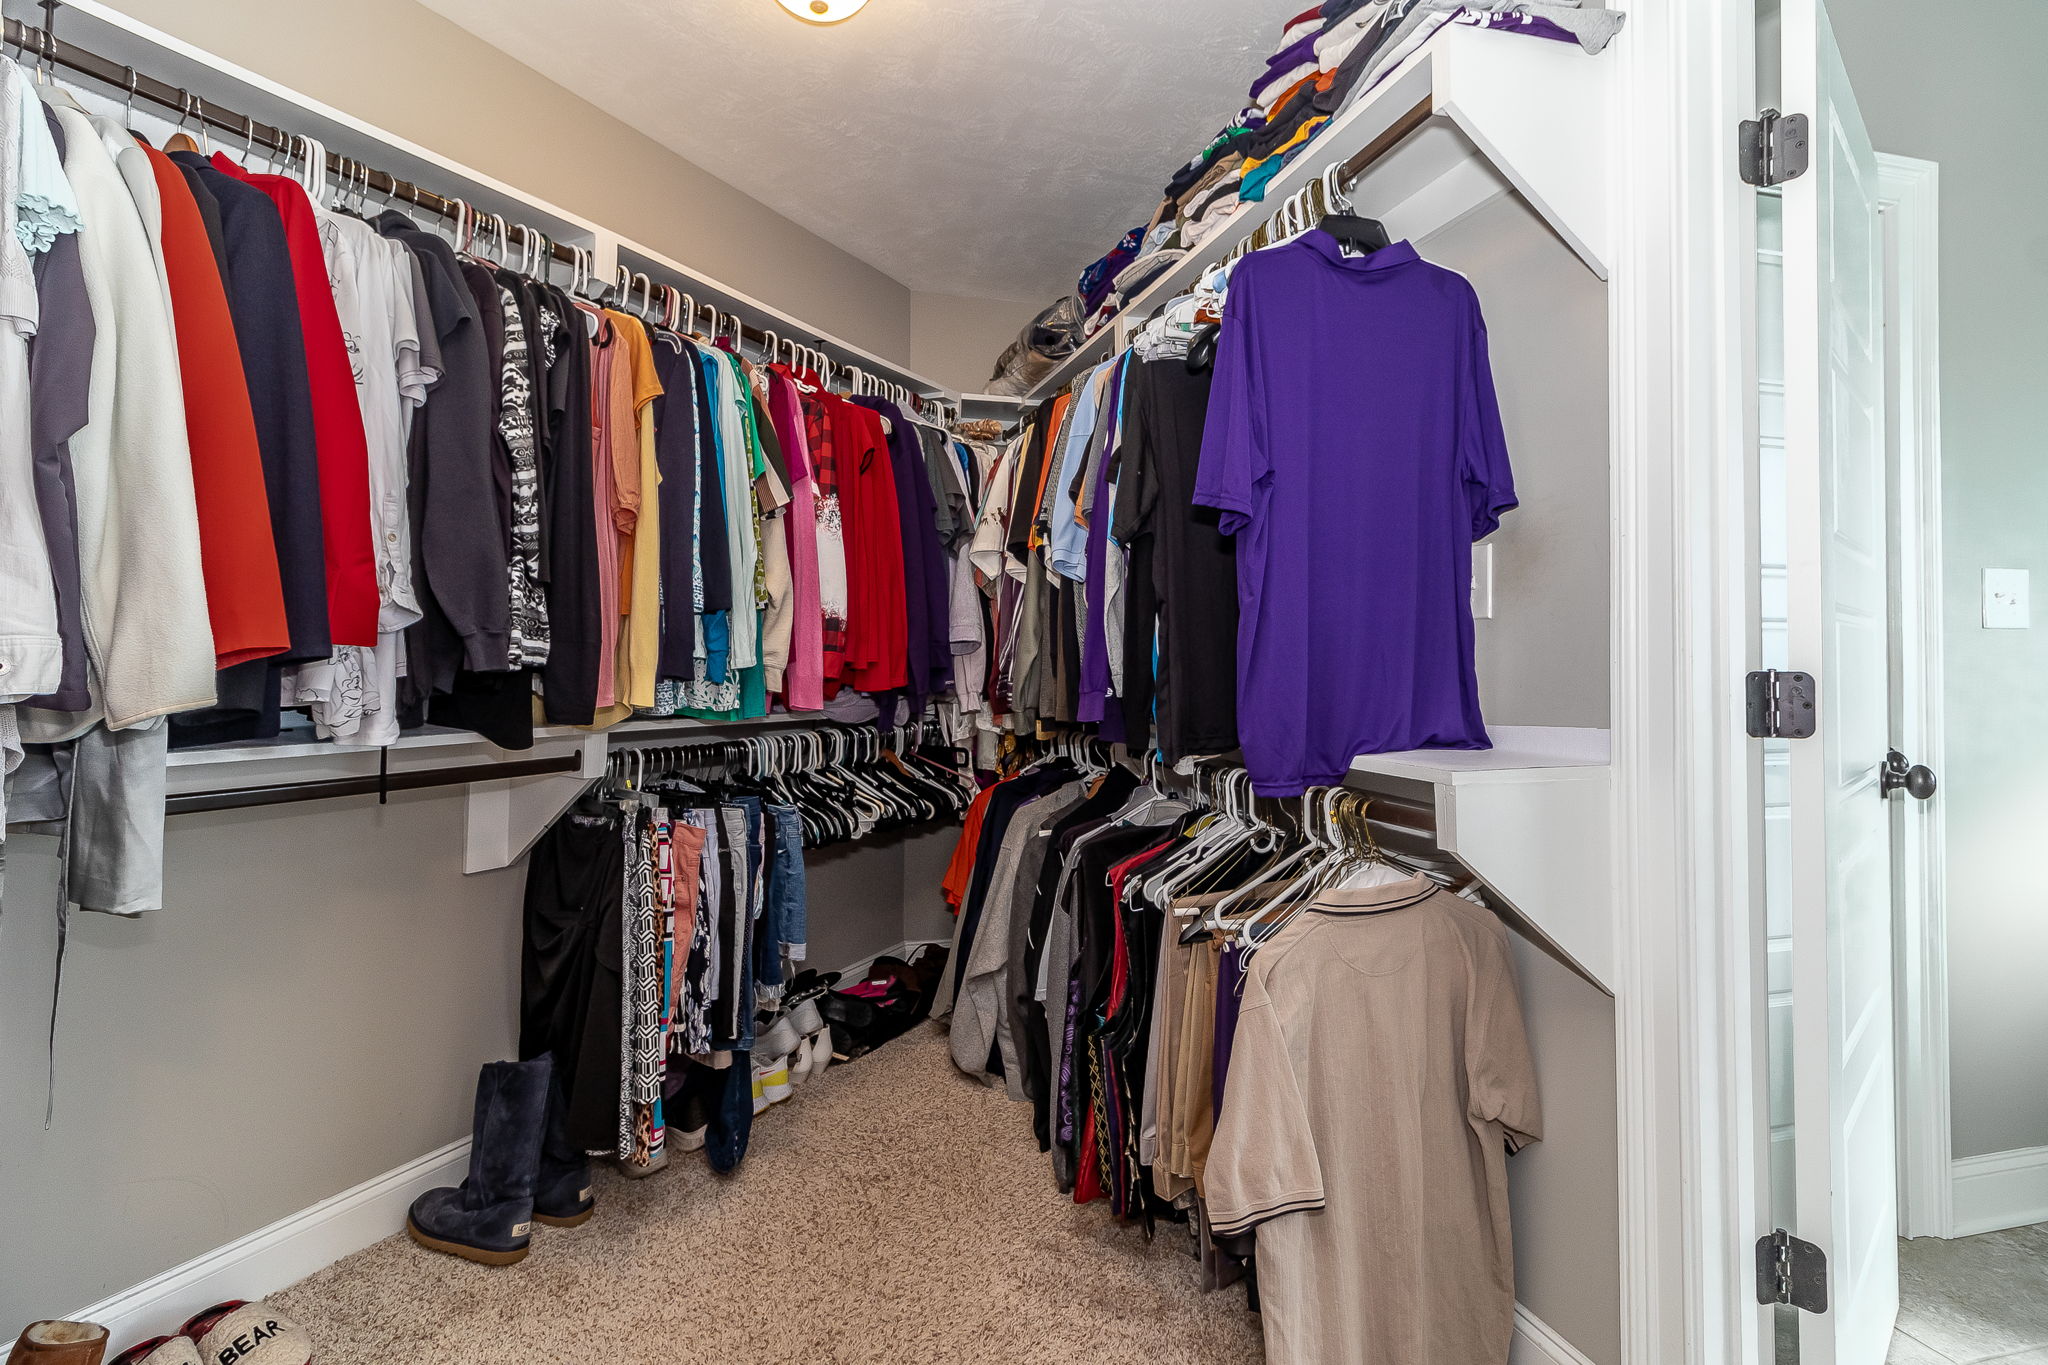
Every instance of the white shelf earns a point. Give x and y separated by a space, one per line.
1472 115
1519 753
1530 818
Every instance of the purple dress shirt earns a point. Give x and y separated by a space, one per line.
1354 448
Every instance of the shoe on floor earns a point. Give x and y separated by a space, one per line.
821 1050
771 1077
778 1039
54 1342
804 1014
161 1351
561 1189
800 1063
687 1100
248 1334
488 1218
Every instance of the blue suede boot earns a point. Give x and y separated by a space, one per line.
561 1193
488 1218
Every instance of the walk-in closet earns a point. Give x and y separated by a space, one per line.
856 680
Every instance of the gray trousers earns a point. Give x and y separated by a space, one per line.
102 794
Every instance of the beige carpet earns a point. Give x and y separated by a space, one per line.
893 1211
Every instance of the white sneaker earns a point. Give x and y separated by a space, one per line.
772 1080
778 1039
804 1014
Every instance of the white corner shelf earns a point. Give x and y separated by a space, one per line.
1531 819
1470 116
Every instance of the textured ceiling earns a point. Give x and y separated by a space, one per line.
979 147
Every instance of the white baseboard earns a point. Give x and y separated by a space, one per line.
1536 1343
284 1253
295 1246
1998 1190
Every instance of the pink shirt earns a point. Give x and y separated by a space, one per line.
803 679
601 437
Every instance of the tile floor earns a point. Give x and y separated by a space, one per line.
1975 1300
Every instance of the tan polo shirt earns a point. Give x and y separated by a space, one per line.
1379 1077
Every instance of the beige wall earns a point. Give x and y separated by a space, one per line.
956 340
404 68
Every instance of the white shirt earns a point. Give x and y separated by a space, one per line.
31 653
353 696
143 591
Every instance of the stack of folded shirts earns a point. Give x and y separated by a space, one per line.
1328 56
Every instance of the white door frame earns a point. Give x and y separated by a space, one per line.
1687 788
1909 195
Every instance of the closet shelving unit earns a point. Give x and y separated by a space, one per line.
504 814
1508 814
1493 152
1472 115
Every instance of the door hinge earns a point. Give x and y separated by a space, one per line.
1781 705
1772 148
1791 1271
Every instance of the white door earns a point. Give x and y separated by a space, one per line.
1836 628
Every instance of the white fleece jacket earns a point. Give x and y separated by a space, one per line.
143 591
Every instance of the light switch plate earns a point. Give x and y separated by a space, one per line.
1482 582
2008 600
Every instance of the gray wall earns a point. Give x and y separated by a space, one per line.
956 340
1966 91
1543 656
1543 660
1566 1190
308 1011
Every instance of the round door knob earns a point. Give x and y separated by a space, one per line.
1915 779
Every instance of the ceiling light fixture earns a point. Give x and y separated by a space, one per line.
823 11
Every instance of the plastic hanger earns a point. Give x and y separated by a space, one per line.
1360 236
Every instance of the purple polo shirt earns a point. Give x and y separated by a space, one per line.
1354 448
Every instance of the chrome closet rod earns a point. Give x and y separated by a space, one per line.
368 784
40 45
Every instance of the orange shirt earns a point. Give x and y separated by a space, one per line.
1058 424
244 596
960 869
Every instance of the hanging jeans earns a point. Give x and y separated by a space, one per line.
787 883
783 920
732 1025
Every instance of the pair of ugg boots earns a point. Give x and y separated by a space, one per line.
237 1332
522 1170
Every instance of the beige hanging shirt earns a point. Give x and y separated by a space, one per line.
1379 1077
